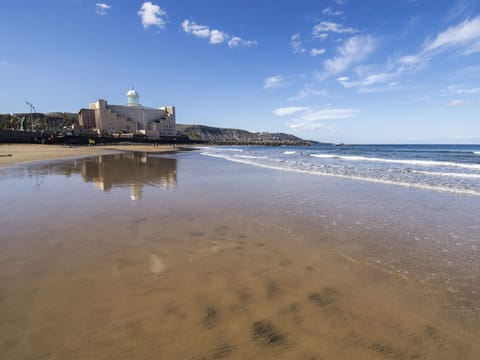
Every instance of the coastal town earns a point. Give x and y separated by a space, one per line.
102 122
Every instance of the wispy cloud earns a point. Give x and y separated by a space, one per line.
460 89
273 82
464 37
307 118
316 52
237 41
308 90
290 110
457 103
282 81
296 44
152 15
459 9
353 50
214 36
322 29
102 9
330 12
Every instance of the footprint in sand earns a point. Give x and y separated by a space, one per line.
157 266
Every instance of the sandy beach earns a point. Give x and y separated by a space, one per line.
218 260
11 154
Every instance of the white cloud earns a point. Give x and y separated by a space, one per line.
322 36
353 50
215 36
322 29
200 31
311 119
369 80
457 103
315 51
459 89
290 110
273 82
307 91
102 9
281 81
330 114
237 41
296 44
203 31
330 12
152 15
464 36
343 78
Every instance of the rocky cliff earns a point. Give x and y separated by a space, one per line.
235 136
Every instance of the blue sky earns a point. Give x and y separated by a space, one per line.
369 71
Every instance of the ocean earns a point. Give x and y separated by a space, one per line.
446 168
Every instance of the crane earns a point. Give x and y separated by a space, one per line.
31 111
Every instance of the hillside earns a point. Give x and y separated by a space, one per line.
222 135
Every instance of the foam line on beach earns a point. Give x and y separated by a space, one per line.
453 175
250 157
399 161
351 177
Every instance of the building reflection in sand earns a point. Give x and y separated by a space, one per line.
134 170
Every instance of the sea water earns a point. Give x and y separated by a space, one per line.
447 168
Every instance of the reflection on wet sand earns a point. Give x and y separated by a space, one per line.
208 275
133 170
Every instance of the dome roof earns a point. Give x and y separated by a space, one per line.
132 92
133 99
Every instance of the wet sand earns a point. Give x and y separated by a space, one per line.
11 154
234 263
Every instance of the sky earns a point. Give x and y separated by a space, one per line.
351 71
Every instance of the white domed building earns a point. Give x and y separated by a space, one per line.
131 118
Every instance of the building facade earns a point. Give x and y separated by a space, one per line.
133 118
86 118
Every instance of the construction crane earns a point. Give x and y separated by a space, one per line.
31 111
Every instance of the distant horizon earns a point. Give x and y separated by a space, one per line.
398 72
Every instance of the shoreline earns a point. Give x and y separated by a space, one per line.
14 154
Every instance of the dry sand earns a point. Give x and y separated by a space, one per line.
11 154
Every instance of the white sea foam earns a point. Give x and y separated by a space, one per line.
325 156
290 152
236 150
476 152
445 174
250 157
346 176
399 161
